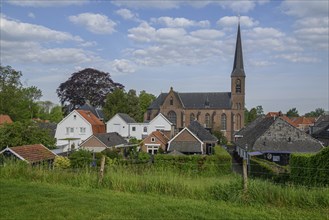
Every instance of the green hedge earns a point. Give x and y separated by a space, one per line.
310 169
219 163
268 170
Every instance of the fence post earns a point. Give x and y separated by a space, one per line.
101 171
245 176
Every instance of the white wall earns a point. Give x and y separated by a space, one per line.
74 121
117 124
159 123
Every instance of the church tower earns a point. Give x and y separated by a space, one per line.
238 86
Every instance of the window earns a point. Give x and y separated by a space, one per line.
69 130
82 130
152 139
133 128
207 121
171 101
223 121
238 121
192 117
238 86
74 117
152 149
172 117
145 129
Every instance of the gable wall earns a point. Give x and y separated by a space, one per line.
117 124
147 140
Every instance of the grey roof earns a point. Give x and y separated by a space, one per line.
198 100
176 153
127 118
250 126
238 69
202 133
96 111
254 139
111 139
186 146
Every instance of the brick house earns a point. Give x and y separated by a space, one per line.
154 142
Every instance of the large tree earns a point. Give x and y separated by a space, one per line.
88 84
316 113
292 113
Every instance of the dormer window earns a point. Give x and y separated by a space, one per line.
238 86
171 101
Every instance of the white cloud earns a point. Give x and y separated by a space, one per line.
229 21
260 63
14 30
46 3
148 4
298 58
123 66
127 14
238 6
316 8
143 33
259 32
179 22
95 23
207 34
31 15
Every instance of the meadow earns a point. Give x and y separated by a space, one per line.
141 192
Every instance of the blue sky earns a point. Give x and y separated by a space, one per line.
189 45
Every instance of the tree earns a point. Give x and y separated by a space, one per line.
318 112
115 102
81 158
252 115
145 100
220 136
259 110
292 113
24 133
133 105
88 84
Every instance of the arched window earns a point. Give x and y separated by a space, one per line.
238 86
171 101
238 122
192 117
145 129
207 120
223 121
172 117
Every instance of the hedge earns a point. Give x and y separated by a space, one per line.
310 169
217 164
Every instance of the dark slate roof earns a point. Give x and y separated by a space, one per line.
278 144
51 127
250 126
202 133
96 111
127 118
186 146
111 139
238 69
322 132
221 100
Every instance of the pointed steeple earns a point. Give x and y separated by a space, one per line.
238 58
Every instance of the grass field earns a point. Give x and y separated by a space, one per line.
31 200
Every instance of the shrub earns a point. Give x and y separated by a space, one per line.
62 162
80 158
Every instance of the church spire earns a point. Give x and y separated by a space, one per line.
238 58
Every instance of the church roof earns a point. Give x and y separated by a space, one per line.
221 100
238 69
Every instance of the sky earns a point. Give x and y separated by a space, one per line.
189 45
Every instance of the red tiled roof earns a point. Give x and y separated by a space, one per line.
303 121
34 153
164 139
97 125
279 114
5 119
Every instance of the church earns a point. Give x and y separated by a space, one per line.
216 111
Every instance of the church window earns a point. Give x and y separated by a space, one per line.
238 86
172 117
223 121
192 117
238 122
171 101
207 120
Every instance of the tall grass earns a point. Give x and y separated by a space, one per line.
151 180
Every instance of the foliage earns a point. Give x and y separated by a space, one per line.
15 100
259 110
112 153
121 101
88 84
252 115
220 136
24 133
292 113
80 158
310 169
316 113
62 162
49 111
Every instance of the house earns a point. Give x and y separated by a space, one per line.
75 128
303 123
282 116
194 139
127 127
32 154
154 142
217 111
320 130
5 119
87 107
274 139
100 142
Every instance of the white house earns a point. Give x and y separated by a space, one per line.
127 127
75 128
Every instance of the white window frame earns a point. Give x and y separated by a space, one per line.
152 148
82 130
153 139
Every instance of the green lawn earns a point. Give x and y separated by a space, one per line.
31 200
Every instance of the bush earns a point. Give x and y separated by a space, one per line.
62 162
81 158
310 169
